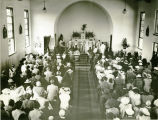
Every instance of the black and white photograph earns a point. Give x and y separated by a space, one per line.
79 59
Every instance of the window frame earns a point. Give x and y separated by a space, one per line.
140 29
28 27
13 31
156 23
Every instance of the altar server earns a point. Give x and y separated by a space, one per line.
70 43
102 48
98 44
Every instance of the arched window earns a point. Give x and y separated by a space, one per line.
141 30
26 28
10 30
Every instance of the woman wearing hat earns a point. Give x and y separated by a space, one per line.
143 114
139 82
11 84
38 90
147 82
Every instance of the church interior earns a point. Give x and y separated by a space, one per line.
79 59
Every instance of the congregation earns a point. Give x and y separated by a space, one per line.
40 88
79 60
127 86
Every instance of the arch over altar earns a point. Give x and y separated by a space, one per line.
77 14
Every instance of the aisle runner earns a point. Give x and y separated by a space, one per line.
85 102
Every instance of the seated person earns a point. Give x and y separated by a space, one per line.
47 74
38 90
52 90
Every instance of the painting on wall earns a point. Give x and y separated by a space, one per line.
156 23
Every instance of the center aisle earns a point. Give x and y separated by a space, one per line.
85 101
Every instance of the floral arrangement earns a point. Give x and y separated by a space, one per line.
76 34
90 34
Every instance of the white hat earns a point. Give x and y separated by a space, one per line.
107 59
137 67
145 111
6 91
140 64
58 54
27 81
155 68
148 103
38 83
62 114
138 76
109 67
51 118
139 61
129 111
35 66
135 88
116 118
103 56
118 59
125 100
10 80
119 67
156 102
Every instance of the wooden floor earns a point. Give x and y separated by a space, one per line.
85 104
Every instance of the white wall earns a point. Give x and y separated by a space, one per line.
149 9
18 9
77 14
123 25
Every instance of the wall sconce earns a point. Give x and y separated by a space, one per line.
125 10
44 7
5 33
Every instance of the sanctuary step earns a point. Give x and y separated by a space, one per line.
83 60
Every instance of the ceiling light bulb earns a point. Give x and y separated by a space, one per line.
44 9
124 11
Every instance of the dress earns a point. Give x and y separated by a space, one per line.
52 91
102 49
38 91
47 74
98 44
86 46
35 114
16 113
147 85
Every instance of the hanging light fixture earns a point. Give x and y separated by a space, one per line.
125 10
44 7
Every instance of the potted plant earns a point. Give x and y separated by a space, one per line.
90 35
76 35
124 43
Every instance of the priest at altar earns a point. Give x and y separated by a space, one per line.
83 45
